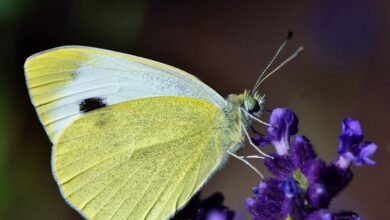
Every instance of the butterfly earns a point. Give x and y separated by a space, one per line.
133 138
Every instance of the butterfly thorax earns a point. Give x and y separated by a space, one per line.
237 110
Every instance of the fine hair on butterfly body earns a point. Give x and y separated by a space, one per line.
134 138
254 105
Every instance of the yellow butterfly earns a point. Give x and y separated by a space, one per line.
132 138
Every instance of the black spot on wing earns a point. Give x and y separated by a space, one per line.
91 104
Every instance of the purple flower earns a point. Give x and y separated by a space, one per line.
269 203
346 216
336 179
210 208
294 194
321 214
314 170
284 123
302 151
291 189
280 166
325 182
318 196
351 148
304 185
275 199
219 214
324 214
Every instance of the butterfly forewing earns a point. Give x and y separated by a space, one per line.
61 79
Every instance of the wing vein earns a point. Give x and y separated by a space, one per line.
95 164
98 175
151 145
72 94
114 194
143 192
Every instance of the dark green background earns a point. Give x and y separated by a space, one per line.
343 72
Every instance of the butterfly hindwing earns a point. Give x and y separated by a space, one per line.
141 159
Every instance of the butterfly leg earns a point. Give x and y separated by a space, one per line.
254 157
241 158
252 144
255 118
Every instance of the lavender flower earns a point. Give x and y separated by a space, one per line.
323 214
304 185
284 123
351 148
210 208
269 201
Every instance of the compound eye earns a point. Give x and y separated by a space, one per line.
252 105
255 107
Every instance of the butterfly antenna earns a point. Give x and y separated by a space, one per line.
294 55
289 36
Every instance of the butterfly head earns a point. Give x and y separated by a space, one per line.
253 103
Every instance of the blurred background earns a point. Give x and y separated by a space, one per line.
343 72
